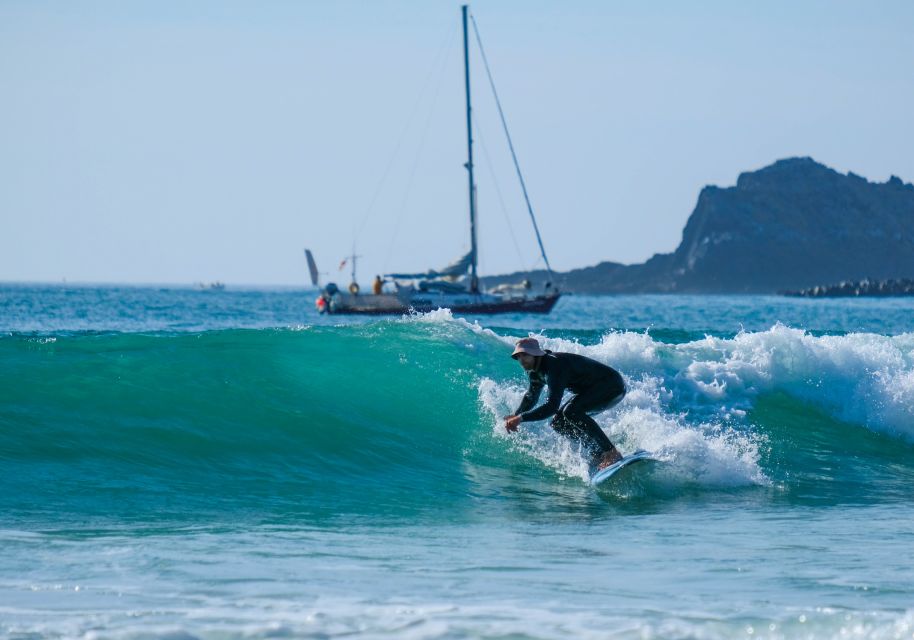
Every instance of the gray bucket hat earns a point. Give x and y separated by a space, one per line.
529 346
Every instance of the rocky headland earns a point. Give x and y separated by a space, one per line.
793 225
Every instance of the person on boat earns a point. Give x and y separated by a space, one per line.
328 301
596 387
377 286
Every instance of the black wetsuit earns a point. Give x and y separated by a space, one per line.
597 387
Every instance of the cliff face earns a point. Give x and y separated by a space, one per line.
791 225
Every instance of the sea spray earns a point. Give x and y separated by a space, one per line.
712 455
859 378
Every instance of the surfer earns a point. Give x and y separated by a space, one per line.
596 387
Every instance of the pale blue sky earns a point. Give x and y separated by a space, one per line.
194 141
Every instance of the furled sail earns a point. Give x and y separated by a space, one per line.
312 267
456 269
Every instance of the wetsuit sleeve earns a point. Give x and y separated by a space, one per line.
556 389
533 393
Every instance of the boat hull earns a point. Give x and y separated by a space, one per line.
390 304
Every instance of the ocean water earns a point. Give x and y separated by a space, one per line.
228 464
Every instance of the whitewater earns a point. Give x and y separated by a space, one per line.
229 464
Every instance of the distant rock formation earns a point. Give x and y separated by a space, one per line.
858 288
789 226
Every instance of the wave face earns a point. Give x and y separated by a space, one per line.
401 419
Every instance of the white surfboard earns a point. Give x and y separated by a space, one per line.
605 474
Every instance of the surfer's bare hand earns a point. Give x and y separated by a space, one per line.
511 423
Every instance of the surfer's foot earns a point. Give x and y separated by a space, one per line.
609 457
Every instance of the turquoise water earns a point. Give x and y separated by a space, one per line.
198 464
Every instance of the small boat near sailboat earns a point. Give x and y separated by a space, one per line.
456 286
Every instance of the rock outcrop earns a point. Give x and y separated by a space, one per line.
789 226
858 289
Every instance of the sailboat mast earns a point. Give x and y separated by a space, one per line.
474 283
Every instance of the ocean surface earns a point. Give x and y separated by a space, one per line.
184 464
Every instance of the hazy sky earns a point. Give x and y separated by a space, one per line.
175 142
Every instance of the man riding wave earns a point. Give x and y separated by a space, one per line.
596 387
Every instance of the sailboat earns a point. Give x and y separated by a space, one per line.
456 286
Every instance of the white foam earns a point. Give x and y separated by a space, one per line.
688 402
446 318
861 378
438 316
438 619
865 379
709 454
